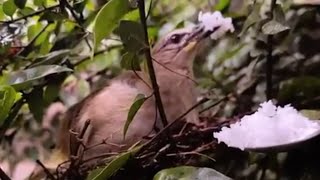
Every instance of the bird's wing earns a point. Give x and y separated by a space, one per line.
66 142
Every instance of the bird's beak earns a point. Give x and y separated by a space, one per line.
196 35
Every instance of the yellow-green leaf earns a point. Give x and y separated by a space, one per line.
108 17
139 100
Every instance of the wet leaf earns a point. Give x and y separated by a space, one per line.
55 57
189 173
273 27
27 78
138 102
108 17
132 36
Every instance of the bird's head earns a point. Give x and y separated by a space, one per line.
178 48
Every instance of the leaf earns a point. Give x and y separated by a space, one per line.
273 27
189 173
222 4
139 100
111 168
108 17
7 99
29 77
253 18
299 89
132 36
40 3
20 3
55 57
51 92
33 30
52 16
9 8
36 103
26 11
130 61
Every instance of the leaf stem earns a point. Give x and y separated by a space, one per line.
152 75
269 64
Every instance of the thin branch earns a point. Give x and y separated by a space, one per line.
150 64
214 104
30 15
49 175
28 48
3 175
269 65
162 131
182 75
95 54
80 137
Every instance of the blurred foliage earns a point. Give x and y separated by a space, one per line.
59 51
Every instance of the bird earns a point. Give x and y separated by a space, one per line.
107 109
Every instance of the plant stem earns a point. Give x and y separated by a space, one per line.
269 68
152 75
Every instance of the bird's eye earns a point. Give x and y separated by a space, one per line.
176 38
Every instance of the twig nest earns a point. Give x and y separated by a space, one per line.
215 22
268 126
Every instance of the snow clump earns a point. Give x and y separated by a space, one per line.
269 126
215 22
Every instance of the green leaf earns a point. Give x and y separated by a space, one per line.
132 36
26 11
40 2
139 100
299 89
7 99
252 19
52 16
33 31
9 8
2 15
51 92
108 18
222 4
273 27
55 57
27 78
111 168
189 173
130 61
20 3
36 103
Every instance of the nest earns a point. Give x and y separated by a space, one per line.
179 143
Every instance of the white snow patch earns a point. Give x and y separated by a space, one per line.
269 126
